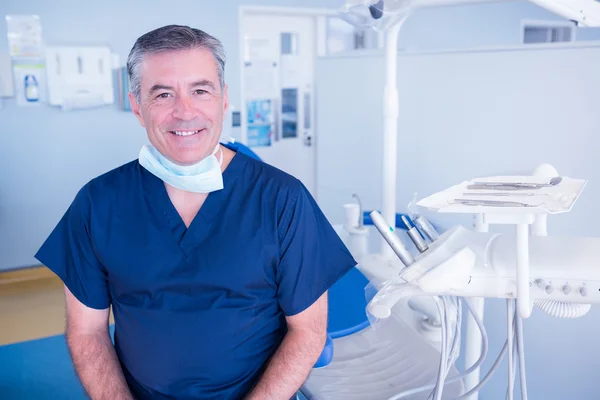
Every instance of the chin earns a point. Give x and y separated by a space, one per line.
190 156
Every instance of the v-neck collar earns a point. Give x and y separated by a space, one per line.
188 238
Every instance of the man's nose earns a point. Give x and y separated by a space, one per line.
184 109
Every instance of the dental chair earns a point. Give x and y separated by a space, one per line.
366 362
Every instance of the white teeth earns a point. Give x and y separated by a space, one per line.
185 133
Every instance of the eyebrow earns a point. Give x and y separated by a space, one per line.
204 83
159 87
201 83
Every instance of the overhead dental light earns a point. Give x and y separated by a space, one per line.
586 13
376 14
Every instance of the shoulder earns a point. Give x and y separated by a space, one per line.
264 174
273 185
109 184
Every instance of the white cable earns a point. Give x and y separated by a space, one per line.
452 341
477 364
454 337
443 323
489 374
514 363
521 358
443 317
510 336
457 324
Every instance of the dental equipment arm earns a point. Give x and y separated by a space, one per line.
479 264
368 13
584 12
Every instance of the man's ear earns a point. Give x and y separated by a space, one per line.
135 108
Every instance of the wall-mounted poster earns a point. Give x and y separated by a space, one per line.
260 122
289 113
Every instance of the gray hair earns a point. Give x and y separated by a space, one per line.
172 38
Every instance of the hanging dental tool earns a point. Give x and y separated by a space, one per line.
388 233
414 235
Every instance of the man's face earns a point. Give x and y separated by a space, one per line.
181 104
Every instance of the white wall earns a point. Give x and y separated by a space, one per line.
51 154
46 155
465 114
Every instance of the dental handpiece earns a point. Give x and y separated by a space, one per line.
415 236
426 228
392 239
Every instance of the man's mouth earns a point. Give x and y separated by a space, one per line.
184 133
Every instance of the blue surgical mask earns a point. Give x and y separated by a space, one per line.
202 177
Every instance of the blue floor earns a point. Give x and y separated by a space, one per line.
38 369
41 369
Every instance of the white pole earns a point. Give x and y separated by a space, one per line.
473 335
390 131
540 225
523 298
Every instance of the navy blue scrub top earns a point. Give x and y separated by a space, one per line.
199 311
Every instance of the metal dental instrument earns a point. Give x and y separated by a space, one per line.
515 185
414 235
492 203
503 194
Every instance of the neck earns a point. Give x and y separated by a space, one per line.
224 153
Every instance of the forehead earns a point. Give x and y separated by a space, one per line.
179 66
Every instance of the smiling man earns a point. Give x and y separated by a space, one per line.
216 265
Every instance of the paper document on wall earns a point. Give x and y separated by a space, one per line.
261 122
257 49
261 79
24 36
289 112
291 70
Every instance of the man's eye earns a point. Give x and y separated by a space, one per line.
200 91
163 95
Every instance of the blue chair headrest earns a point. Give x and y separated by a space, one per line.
242 148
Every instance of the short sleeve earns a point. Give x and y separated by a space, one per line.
312 255
68 252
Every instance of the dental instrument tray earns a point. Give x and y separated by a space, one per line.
508 195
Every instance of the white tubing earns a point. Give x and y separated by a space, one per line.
477 365
490 373
444 350
559 309
472 335
510 337
521 348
